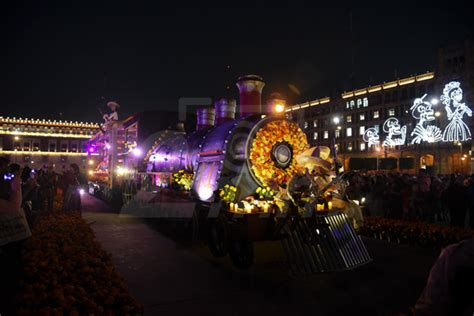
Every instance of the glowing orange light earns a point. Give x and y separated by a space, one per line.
279 108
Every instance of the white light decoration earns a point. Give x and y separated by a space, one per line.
205 192
396 133
371 136
424 132
137 152
456 130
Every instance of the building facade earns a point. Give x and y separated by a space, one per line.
419 122
39 142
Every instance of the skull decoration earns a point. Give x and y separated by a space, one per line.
371 136
393 128
423 112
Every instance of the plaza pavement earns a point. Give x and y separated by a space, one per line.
171 277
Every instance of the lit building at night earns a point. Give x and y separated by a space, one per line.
419 122
39 142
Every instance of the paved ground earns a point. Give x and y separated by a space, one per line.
170 278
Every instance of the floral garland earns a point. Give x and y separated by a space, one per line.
413 232
183 180
227 193
66 271
274 132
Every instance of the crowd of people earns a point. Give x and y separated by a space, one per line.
447 199
24 191
40 186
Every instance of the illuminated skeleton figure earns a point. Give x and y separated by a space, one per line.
456 130
371 136
396 134
424 113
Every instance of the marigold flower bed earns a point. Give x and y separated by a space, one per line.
67 272
413 232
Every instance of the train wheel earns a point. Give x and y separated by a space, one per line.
217 238
241 253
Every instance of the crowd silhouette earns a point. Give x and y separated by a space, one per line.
443 199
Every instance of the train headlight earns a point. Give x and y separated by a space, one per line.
282 154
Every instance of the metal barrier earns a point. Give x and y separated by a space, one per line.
325 243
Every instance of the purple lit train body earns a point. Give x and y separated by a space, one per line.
217 153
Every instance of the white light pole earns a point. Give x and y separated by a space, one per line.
336 120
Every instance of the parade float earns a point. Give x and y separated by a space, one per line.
252 178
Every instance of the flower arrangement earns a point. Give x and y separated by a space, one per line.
275 132
67 272
183 180
227 193
265 193
413 232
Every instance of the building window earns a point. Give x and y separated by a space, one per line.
305 125
52 147
315 123
391 112
347 105
326 135
315 135
362 146
349 131
337 133
352 104
376 114
63 147
349 146
361 117
36 146
361 130
74 148
359 103
26 146
349 118
365 102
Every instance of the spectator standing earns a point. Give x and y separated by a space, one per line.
13 217
73 180
470 194
47 182
457 201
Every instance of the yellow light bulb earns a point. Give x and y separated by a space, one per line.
279 108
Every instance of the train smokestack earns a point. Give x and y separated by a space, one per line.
225 110
250 91
205 118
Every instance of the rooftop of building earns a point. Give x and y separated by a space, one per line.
47 122
363 91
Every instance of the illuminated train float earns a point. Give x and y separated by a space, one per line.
254 178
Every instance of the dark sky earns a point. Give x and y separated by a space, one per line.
63 57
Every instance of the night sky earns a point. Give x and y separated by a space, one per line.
66 58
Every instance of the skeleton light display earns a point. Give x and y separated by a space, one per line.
396 134
425 130
371 136
457 129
